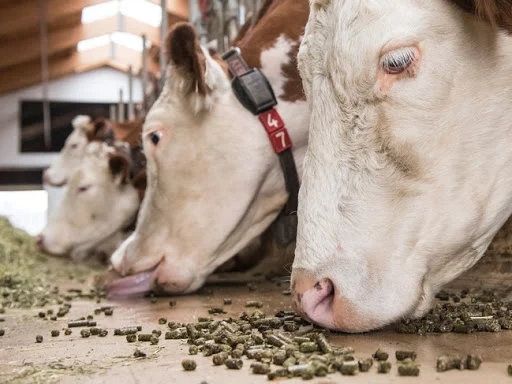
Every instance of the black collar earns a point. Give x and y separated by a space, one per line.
255 93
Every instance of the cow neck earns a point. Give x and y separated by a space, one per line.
278 18
256 94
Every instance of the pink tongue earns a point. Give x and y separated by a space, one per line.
131 285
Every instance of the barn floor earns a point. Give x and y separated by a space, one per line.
72 359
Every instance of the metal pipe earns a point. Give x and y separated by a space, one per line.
131 114
144 76
163 32
221 46
45 75
112 112
120 109
254 12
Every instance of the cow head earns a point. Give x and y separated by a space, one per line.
70 157
408 172
99 202
214 183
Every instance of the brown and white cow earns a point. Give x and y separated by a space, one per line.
76 227
71 155
408 174
214 182
99 204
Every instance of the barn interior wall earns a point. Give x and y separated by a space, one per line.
99 85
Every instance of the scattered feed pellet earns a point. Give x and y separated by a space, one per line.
39 339
509 370
85 333
228 301
253 304
189 365
383 366
131 338
67 331
138 354
234 363
55 333
402 355
380 355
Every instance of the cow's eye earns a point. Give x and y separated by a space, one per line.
83 188
155 137
397 61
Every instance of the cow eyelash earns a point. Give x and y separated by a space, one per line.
83 188
398 61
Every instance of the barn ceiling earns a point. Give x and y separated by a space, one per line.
20 39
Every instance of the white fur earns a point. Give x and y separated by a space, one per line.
388 239
214 182
93 219
71 155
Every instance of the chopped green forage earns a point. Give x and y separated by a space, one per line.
138 354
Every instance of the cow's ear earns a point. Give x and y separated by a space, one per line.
495 12
120 168
185 54
100 130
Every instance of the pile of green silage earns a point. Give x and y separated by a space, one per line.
28 277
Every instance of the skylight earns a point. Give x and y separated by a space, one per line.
95 42
141 10
128 40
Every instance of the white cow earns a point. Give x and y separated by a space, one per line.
214 182
408 174
70 157
99 203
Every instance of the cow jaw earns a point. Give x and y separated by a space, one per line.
407 175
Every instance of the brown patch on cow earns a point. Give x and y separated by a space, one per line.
185 53
129 131
292 89
140 183
495 12
276 18
119 165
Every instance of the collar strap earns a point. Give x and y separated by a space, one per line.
255 93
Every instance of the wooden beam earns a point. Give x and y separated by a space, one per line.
26 13
29 73
29 48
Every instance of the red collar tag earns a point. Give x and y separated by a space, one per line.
276 130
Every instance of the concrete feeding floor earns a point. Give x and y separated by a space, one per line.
72 359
